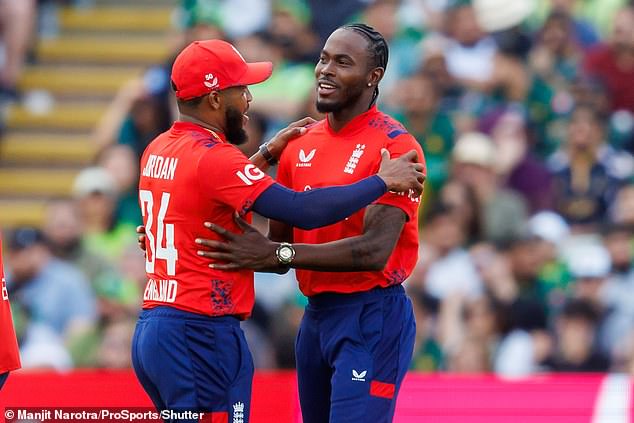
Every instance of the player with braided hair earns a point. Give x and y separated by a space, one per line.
357 336
378 52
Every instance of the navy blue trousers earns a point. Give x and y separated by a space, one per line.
191 362
353 351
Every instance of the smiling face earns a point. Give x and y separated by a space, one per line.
344 71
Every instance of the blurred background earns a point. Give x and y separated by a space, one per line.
524 110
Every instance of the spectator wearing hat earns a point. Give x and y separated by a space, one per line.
504 20
501 15
502 211
95 192
589 263
590 266
52 296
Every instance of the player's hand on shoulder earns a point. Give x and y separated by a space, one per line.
402 174
248 250
278 143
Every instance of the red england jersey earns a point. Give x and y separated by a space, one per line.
9 353
191 175
322 158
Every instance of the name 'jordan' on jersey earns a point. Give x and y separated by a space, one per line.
191 175
323 157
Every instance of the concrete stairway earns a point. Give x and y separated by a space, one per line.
97 50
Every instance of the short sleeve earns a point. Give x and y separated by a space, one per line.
398 146
227 176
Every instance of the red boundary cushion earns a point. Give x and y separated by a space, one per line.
382 389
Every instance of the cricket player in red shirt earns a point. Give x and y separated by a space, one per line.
188 350
356 338
9 353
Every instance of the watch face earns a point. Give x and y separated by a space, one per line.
286 253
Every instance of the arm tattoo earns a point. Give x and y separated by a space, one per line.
369 251
382 229
361 253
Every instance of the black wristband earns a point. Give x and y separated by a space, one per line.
264 151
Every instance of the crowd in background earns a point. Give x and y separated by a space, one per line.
525 113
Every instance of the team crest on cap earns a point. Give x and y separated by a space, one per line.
210 81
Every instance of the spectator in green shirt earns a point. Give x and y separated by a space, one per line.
420 113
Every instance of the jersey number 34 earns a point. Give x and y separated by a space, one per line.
157 250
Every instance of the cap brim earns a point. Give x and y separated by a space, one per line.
256 72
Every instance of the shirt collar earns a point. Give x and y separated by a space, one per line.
182 126
357 123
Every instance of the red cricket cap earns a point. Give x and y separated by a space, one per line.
213 65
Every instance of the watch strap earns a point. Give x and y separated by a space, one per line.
266 153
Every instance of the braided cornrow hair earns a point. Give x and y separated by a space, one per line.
377 48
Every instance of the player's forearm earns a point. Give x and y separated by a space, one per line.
319 207
259 160
252 250
348 255
367 252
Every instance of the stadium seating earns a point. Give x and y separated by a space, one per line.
48 135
